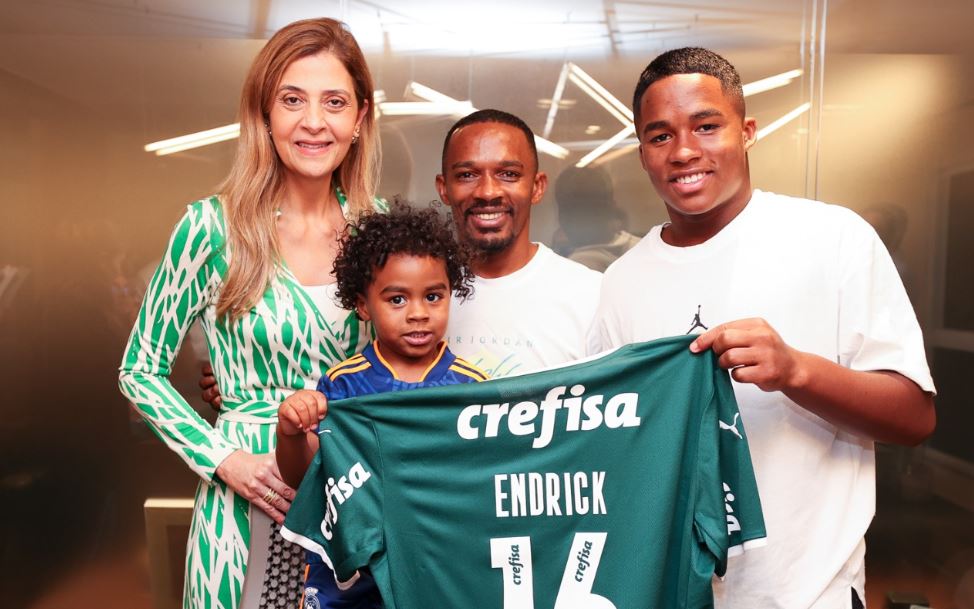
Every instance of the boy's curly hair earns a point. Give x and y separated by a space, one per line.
366 246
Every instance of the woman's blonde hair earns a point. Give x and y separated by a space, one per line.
252 191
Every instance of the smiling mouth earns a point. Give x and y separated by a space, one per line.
313 146
692 178
487 216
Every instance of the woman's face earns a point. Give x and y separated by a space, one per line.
313 117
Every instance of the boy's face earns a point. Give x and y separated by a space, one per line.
693 144
490 181
408 302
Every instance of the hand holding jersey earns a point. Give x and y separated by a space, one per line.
754 353
889 407
297 425
301 412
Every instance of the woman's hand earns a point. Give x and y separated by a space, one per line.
257 479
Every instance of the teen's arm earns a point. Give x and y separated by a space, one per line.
882 405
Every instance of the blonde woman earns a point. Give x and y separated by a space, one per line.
254 265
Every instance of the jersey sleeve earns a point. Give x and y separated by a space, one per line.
333 390
728 515
182 286
338 510
878 329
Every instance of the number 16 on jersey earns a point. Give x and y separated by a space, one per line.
512 555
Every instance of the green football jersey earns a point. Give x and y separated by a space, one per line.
618 482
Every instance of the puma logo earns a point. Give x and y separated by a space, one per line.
696 323
732 427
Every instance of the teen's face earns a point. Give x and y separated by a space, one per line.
490 181
408 303
314 115
693 145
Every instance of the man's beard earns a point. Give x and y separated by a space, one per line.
487 245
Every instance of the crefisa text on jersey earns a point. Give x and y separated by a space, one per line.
339 491
583 413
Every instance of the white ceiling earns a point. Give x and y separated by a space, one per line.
166 67
428 25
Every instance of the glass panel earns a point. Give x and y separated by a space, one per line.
84 86
959 291
895 119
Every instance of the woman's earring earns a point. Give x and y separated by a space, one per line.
355 136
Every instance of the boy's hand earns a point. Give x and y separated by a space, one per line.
301 412
754 353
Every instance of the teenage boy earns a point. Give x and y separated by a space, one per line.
398 271
801 301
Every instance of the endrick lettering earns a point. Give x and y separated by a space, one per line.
549 494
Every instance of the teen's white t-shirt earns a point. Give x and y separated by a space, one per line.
822 278
538 316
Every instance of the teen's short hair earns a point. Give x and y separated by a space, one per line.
690 60
491 116
367 244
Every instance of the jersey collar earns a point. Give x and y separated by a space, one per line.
437 368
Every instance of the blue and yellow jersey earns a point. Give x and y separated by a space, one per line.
368 373
365 374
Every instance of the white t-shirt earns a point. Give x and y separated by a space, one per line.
822 278
536 317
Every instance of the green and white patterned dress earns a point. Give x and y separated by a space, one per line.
282 344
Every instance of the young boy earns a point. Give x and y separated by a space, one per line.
398 271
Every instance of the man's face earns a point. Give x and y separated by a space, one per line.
490 181
693 145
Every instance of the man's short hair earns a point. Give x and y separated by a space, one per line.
690 60
491 116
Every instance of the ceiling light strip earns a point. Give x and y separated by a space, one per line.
784 120
771 82
598 99
623 149
606 146
424 92
602 92
550 148
429 108
193 140
556 100
196 144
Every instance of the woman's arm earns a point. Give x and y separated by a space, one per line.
181 288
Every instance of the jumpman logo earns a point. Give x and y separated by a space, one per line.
732 427
696 323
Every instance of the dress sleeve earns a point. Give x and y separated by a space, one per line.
185 282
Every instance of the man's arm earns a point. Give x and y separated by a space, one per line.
882 405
